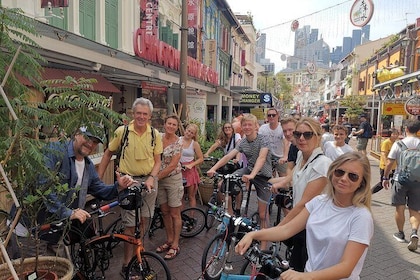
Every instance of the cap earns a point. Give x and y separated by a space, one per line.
363 116
91 133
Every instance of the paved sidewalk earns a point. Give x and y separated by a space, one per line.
386 259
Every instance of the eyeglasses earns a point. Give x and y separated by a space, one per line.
227 127
307 134
271 115
340 173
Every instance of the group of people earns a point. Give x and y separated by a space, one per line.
329 225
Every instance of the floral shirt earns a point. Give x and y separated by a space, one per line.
169 152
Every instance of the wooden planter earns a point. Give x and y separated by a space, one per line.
60 266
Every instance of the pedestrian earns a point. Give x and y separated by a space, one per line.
338 223
279 146
385 148
256 149
407 193
191 157
347 125
309 179
363 134
326 135
228 140
334 149
171 189
140 149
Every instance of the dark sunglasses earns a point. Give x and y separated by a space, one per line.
340 173
226 127
271 115
307 135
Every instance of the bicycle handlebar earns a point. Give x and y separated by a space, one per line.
268 261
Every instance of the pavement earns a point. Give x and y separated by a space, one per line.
386 258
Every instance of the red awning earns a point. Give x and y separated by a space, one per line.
103 85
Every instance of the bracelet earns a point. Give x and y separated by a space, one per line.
385 179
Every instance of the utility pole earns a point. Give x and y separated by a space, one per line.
183 75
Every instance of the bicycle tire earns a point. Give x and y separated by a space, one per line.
246 269
193 222
153 266
210 216
214 257
116 226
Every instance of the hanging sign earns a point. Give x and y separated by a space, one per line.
412 106
361 12
294 26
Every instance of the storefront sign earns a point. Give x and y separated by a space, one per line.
392 109
412 106
192 15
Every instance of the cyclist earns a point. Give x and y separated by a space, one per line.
228 140
339 223
256 149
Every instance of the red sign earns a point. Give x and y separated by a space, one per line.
412 106
149 18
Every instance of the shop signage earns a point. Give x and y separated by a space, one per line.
412 106
392 109
256 98
361 12
192 28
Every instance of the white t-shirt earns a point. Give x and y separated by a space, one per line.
326 137
332 151
312 170
328 230
410 141
275 138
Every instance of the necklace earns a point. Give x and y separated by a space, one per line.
339 204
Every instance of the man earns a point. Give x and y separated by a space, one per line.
363 134
140 158
279 146
347 125
256 149
407 194
385 148
326 135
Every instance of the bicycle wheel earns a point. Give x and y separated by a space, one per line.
211 216
152 266
214 257
193 222
246 268
118 227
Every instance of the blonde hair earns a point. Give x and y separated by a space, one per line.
363 195
314 125
249 117
196 130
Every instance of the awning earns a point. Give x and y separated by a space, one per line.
103 85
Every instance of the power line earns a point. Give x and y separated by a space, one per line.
286 22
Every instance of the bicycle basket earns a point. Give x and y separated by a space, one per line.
130 199
235 187
79 231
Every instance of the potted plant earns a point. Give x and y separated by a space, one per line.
25 118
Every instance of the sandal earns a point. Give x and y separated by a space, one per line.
172 253
164 247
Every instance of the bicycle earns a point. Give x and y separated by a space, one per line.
92 256
219 252
231 187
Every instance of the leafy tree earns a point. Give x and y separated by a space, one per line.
354 104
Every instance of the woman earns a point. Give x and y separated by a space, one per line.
228 139
339 223
309 179
334 149
191 157
171 190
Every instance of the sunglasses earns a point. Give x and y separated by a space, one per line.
227 127
307 135
91 139
340 173
271 115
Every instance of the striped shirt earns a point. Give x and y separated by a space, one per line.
251 149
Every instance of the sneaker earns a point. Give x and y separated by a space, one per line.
123 271
399 236
414 240
377 188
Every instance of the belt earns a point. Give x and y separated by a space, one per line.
135 176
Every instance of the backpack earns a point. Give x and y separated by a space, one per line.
368 133
409 164
124 144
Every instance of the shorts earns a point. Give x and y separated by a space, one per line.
281 168
260 184
408 194
362 144
171 191
147 210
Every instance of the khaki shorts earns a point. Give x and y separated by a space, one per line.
171 191
362 144
147 210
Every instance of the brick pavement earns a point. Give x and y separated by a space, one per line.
386 259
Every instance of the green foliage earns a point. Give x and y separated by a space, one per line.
354 104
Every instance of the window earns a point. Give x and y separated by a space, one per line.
87 18
111 23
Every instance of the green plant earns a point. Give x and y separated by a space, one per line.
24 116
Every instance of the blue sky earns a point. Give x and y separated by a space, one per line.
330 17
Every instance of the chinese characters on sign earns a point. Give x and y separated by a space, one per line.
192 28
361 12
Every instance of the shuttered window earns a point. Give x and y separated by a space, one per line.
57 19
111 23
87 18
